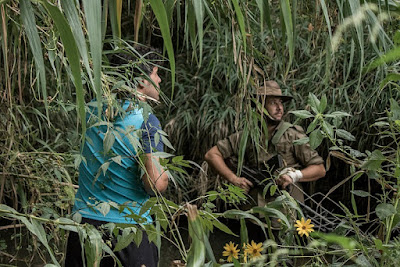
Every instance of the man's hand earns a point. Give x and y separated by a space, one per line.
284 180
288 176
242 183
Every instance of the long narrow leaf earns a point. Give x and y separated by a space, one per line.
161 15
287 17
74 21
29 21
72 55
240 18
199 12
93 20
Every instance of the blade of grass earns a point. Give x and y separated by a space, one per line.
199 12
73 19
29 21
287 17
161 15
240 18
72 53
92 10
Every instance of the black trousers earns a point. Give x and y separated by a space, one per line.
133 256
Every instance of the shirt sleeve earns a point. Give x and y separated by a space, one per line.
230 145
151 138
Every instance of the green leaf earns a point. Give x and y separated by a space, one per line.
72 52
327 128
339 114
316 138
385 210
108 141
346 242
92 10
287 17
28 18
222 226
345 135
240 18
161 15
389 57
360 193
301 141
302 114
312 126
374 161
199 12
394 110
314 102
322 104
76 26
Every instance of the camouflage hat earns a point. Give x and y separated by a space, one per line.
271 88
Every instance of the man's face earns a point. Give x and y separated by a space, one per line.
151 89
274 107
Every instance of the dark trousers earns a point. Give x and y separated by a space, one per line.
133 256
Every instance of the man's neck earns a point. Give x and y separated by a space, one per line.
271 125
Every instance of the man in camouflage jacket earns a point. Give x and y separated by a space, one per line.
301 163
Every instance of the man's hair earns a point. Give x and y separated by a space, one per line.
140 60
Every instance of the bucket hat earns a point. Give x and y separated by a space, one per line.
271 88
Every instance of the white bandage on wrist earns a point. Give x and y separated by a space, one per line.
296 175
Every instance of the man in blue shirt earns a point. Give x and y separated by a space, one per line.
120 171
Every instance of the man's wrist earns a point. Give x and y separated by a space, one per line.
296 175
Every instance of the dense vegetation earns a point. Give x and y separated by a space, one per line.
339 59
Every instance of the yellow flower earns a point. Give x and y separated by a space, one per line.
253 249
244 253
304 227
231 251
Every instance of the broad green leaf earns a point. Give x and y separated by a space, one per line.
314 102
345 135
104 167
73 57
104 208
312 126
124 241
316 138
274 213
374 161
385 210
327 128
109 140
302 114
301 141
161 15
28 18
